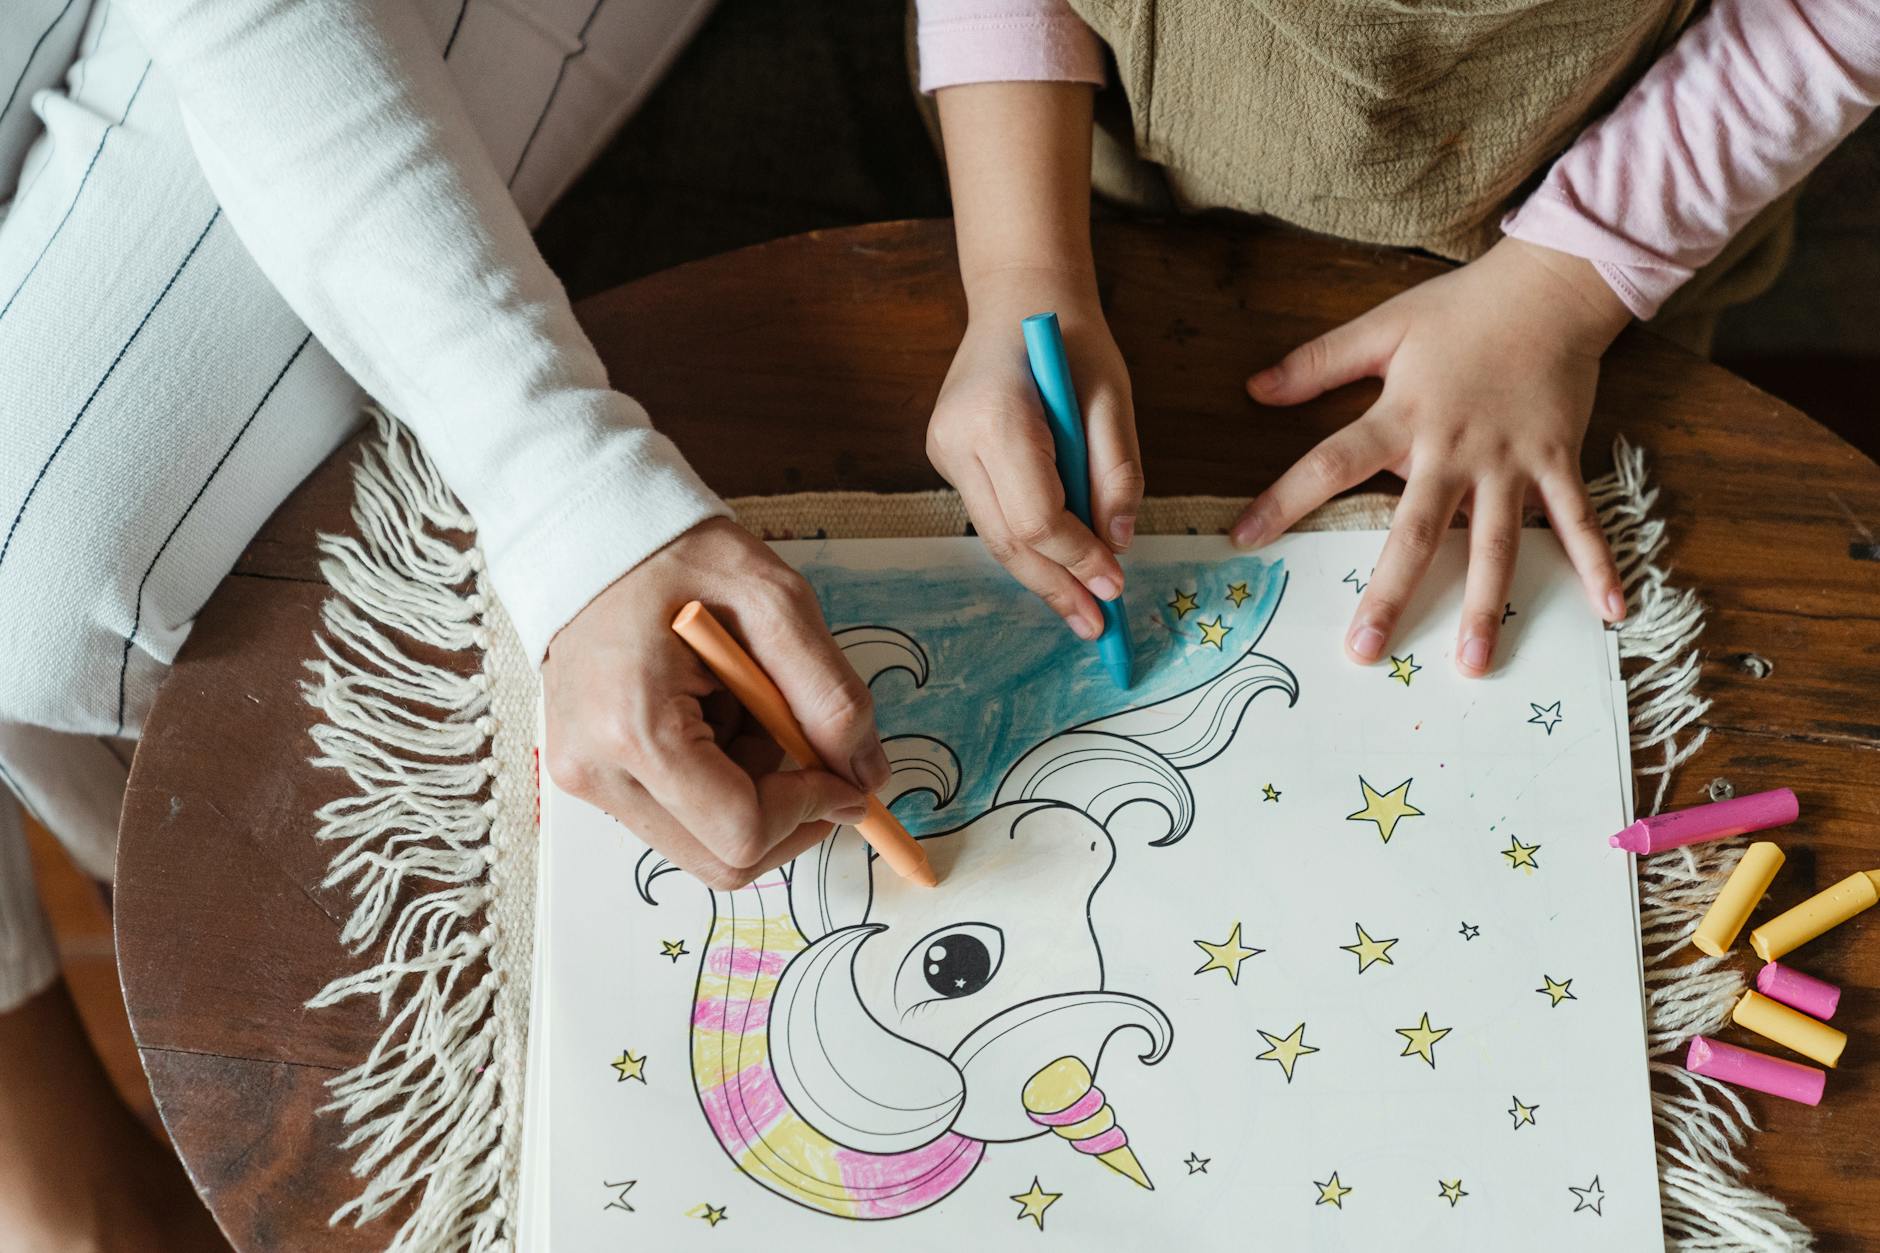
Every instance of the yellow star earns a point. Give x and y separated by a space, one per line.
1421 1039
1386 808
1227 955
712 1214
674 949
1270 792
1287 1051
1403 667
1331 1192
629 1066
1557 992
1213 632
1034 1203
1369 951
1519 854
1183 604
1238 593
1522 1113
1452 1191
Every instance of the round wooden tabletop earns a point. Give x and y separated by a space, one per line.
812 363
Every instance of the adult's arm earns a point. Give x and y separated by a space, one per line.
1005 41
347 165
1741 108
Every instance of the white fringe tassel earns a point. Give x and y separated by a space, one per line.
1701 1123
415 846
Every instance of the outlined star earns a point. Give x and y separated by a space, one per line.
1548 717
1592 1196
619 1202
712 1214
1451 1191
674 949
1331 1192
1556 992
1507 610
1519 854
1355 581
1213 632
1197 1165
1385 808
1034 1203
1184 604
1523 1114
1403 667
1286 1050
1270 792
1238 593
1227 955
1469 931
629 1066
1369 952
1420 1040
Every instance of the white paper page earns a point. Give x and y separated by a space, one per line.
857 1072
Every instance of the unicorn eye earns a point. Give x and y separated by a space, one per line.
950 963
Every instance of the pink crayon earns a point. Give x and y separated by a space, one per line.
1708 822
1815 997
1746 1069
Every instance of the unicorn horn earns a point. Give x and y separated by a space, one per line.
1064 1097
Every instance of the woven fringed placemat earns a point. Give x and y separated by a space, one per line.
437 844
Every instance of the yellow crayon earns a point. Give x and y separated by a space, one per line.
1790 1028
1054 1098
1727 914
1821 912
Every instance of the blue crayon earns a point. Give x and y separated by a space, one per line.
1051 371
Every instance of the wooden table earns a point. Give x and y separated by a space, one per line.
812 363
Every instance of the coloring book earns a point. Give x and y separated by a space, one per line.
1272 951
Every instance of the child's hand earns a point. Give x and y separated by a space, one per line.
1489 375
988 437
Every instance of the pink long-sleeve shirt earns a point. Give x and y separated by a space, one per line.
1740 109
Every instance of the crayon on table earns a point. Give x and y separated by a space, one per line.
1051 371
1772 1020
1749 1069
1815 997
1824 911
1757 812
746 680
1745 887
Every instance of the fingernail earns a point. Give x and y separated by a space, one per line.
1248 531
871 767
1084 629
1367 642
1266 379
1475 653
1122 530
848 814
1615 605
1103 587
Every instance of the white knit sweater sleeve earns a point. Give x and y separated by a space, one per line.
344 160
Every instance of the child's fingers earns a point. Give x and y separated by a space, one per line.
1494 542
1341 460
1050 583
1116 481
1422 517
1358 349
1031 500
1577 523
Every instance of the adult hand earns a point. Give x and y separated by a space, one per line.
640 728
1489 373
989 439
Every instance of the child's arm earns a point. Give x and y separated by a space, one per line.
1489 372
1018 156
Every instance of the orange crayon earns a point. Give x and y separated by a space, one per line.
746 680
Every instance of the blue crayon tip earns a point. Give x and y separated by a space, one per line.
1113 647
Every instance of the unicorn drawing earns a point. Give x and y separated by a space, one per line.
858 1041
